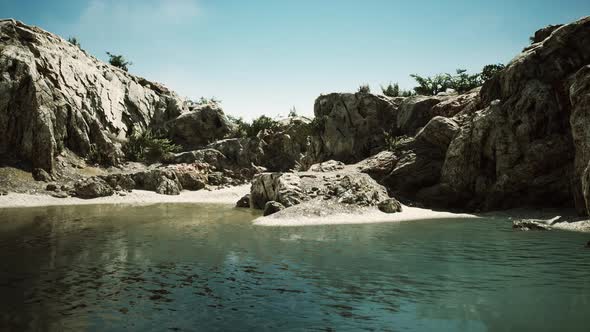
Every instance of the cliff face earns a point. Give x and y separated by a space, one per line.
55 96
523 140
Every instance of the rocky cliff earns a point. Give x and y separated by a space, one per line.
522 140
54 96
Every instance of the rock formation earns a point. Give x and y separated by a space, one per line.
54 96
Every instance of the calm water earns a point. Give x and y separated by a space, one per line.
193 268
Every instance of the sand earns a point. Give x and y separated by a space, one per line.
136 197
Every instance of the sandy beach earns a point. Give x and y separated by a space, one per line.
136 197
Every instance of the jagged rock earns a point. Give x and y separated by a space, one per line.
123 181
198 127
92 188
51 187
415 112
272 207
530 225
55 96
244 202
351 127
545 32
292 189
327 166
41 175
162 181
167 186
390 205
191 179
580 120
439 132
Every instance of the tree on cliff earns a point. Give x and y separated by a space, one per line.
74 41
119 61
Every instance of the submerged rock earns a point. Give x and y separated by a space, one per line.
530 225
244 202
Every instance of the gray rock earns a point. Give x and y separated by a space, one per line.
530 225
200 126
55 96
390 205
167 186
272 207
41 175
327 166
191 179
123 181
244 202
92 188
51 187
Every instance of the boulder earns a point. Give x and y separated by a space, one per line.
352 127
291 189
200 126
530 225
327 166
244 202
163 181
51 187
121 181
390 205
92 188
544 33
40 174
272 207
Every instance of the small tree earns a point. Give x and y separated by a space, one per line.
431 86
293 112
119 61
463 82
391 90
365 88
74 41
489 71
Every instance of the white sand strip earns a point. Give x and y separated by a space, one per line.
362 216
136 197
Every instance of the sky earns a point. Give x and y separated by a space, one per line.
267 56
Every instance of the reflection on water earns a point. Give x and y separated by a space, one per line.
205 267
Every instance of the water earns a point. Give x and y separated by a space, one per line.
206 267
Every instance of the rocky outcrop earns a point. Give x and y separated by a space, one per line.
390 205
290 189
198 127
352 127
272 207
92 188
54 97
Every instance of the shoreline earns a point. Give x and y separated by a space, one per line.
136 197
229 196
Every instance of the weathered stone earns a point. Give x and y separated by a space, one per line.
92 188
272 207
163 181
41 175
60 194
327 166
530 225
51 187
123 181
244 202
167 186
390 205
54 96
200 126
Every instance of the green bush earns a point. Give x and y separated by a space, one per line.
119 61
393 90
74 41
489 71
245 129
430 86
365 88
146 147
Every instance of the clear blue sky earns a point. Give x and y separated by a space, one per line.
265 56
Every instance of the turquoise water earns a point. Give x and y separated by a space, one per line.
206 267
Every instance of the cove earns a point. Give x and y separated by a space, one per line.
190 267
